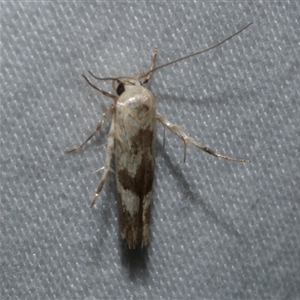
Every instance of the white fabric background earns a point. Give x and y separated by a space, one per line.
220 230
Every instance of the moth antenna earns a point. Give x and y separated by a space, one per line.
111 78
102 78
196 53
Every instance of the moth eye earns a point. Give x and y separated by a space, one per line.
120 89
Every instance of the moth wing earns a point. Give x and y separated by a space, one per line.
134 164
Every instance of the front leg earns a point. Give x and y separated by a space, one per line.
187 140
98 128
106 168
147 78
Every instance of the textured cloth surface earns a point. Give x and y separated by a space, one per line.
220 230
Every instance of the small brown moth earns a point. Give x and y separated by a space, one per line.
132 139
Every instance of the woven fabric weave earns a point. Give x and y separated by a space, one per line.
220 230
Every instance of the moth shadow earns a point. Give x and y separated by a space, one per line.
195 197
135 261
175 169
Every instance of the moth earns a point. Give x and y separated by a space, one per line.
132 140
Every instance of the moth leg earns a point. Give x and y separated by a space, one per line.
187 140
106 167
147 78
107 94
98 128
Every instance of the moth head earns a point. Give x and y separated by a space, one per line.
120 86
